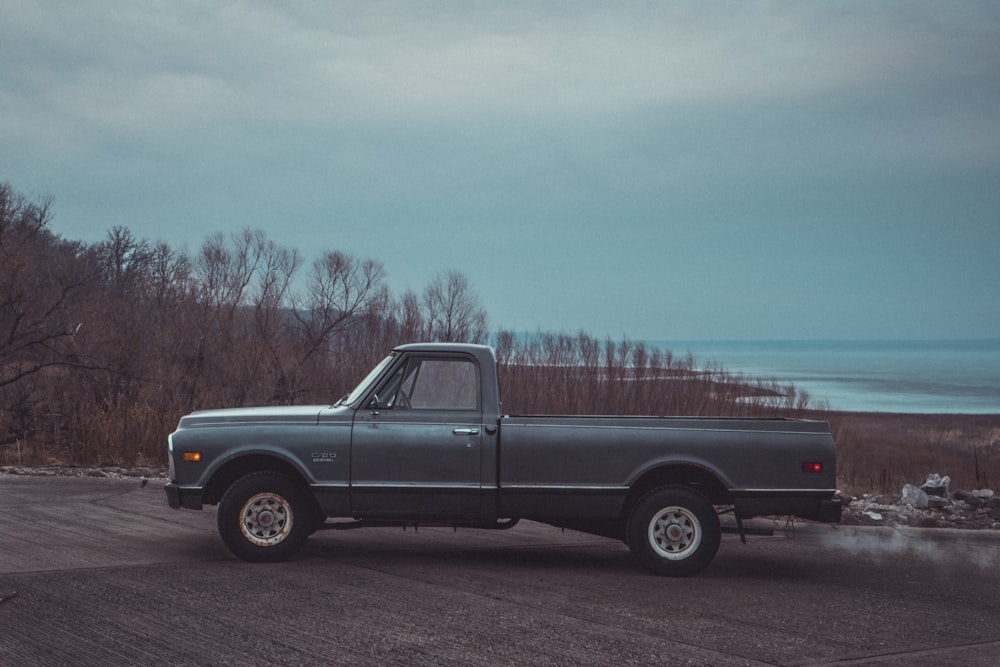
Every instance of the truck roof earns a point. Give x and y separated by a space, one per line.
469 348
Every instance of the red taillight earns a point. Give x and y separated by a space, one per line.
812 466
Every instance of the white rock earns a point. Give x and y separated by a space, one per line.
914 497
936 485
935 480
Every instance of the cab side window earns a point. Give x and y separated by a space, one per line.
432 384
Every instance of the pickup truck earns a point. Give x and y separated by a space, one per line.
423 440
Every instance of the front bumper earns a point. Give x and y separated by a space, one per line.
179 496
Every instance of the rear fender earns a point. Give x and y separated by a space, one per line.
694 473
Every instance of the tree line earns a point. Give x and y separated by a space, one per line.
103 346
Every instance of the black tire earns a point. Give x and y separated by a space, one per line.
265 517
674 531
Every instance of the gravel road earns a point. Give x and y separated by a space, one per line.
99 571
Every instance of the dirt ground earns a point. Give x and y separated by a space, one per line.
99 571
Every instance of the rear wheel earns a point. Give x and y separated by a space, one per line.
674 531
265 517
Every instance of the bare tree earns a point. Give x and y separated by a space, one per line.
340 289
126 262
225 270
452 310
41 277
412 327
341 293
268 358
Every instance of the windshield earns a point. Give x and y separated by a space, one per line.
363 385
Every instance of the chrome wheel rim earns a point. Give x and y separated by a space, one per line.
266 519
674 533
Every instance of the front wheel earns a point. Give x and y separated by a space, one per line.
264 517
674 531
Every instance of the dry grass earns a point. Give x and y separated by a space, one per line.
879 452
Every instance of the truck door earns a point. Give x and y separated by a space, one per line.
416 445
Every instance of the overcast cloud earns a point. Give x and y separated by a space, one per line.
656 170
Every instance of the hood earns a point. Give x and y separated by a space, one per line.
291 414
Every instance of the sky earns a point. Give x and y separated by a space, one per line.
650 170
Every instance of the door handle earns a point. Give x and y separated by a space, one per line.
466 431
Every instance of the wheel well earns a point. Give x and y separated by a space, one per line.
233 470
698 479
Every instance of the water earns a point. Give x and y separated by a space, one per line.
961 377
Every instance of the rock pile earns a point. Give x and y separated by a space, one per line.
115 472
930 505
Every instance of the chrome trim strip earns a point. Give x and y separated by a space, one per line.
400 485
656 427
782 492
408 486
449 424
304 423
562 488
